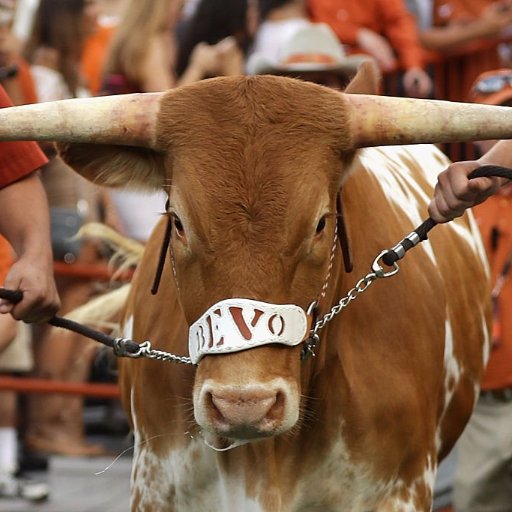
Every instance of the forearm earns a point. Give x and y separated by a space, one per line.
24 218
191 74
453 36
500 154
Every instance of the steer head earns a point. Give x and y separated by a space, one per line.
252 167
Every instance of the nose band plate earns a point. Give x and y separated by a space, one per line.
233 325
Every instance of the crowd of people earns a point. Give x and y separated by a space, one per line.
59 49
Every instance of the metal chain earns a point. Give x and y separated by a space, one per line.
361 286
146 351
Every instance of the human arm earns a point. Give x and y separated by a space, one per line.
454 192
156 68
204 62
493 20
24 221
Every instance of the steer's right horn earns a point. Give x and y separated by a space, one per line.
127 119
385 120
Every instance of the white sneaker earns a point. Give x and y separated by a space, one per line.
25 488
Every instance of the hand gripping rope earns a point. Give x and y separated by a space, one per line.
127 348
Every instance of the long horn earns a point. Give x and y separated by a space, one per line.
128 120
383 120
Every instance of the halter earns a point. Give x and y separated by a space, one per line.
237 324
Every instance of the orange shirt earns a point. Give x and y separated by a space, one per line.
495 214
93 57
17 158
26 82
6 259
389 18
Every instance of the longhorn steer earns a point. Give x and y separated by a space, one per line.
253 168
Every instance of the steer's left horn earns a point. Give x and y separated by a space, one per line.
383 120
128 120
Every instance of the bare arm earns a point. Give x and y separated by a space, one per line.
24 221
454 192
494 19
156 69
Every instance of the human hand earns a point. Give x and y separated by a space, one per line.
205 59
40 298
417 83
230 57
496 17
454 192
378 47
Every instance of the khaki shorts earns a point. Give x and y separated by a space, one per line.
483 478
17 357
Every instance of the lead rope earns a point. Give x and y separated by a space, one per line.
389 257
123 347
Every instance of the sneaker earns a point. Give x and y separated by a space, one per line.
23 487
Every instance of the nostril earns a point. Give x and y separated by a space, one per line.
276 411
212 407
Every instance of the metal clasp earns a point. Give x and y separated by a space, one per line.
120 349
378 269
310 346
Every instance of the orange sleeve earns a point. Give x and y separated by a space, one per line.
399 26
26 82
94 55
6 259
338 16
389 18
17 158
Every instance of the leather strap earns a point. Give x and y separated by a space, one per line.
343 236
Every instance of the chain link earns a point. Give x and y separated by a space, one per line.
163 356
361 286
145 350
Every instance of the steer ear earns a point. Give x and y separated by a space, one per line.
367 79
116 166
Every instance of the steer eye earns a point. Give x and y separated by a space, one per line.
321 225
178 226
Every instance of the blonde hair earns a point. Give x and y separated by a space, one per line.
142 20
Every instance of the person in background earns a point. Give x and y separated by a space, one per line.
142 54
24 222
453 33
214 40
277 22
312 53
107 14
483 478
142 58
15 359
54 49
15 74
382 28
24 218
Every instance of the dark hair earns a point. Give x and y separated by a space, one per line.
265 6
213 21
58 25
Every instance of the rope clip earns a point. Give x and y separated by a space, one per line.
378 269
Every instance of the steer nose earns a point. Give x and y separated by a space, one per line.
246 413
